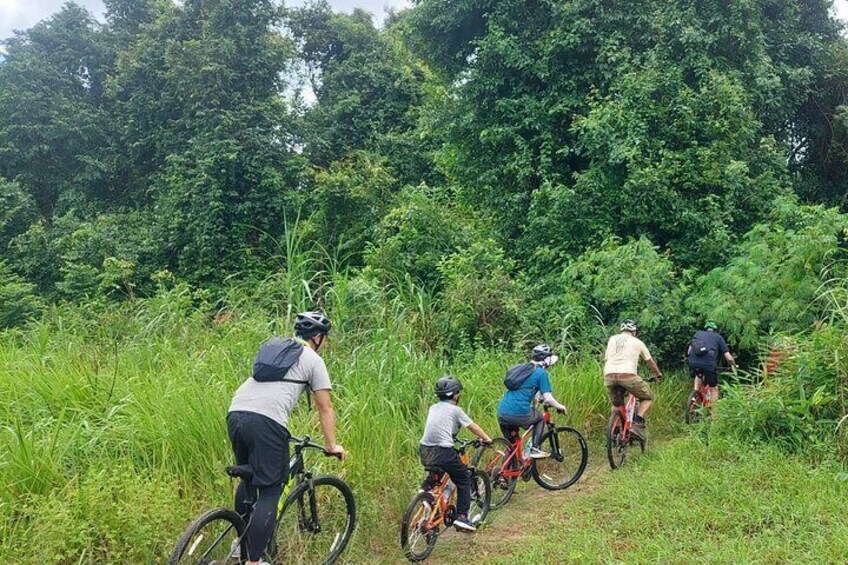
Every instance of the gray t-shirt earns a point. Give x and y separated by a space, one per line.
276 400
444 421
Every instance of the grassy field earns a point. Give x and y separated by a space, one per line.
112 436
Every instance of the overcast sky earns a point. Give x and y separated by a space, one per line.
21 14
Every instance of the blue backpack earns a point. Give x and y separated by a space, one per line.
517 374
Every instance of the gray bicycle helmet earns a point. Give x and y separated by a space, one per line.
628 326
447 387
542 352
308 324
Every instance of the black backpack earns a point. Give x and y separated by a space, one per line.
276 356
516 375
699 347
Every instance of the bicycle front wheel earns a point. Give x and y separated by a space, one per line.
490 460
481 496
693 408
212 539
569 454
315 524
417 534
616 444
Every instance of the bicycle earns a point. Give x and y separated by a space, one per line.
619 438
701 398
564 467
428 512
215 537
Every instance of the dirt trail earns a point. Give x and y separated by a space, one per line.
507 531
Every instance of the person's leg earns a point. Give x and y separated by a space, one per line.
241 452
509 430
538 425
429 457
461 478
269 458
262 521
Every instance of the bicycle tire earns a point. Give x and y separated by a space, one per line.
561 452
409 531
502 487
190 548
481 502
616 447
693 406
295 537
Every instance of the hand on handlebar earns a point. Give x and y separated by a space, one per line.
561 410
336 451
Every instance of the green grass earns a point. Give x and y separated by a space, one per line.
112 437
682 502
112 432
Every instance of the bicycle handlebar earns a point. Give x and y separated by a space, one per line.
306 442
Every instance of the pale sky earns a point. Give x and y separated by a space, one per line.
21 14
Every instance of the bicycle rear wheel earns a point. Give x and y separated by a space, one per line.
490 460
481 497
211 540
315 524
417 538
569 454
693 408
616 444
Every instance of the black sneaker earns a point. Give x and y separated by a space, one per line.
637 430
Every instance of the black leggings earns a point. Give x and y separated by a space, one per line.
448 460
261 517
510 424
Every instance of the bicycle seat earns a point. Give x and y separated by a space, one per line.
243 472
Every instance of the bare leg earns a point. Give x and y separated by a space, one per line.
644 406
697 383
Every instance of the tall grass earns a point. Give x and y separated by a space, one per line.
117 417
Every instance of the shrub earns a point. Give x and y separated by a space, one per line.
18 300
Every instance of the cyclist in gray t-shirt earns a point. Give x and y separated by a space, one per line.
258 419
444 420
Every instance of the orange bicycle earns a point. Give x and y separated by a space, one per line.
508 462
431 512
701 398
619 438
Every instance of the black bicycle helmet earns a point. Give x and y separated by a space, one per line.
447 387
308 324
542 352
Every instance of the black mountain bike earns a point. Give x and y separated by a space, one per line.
315 521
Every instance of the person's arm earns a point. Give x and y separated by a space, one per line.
478 431
654 368
551 401
327 417
729 358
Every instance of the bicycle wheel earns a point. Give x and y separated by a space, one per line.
693 408
417 538
493 458
616 446
211 540
569 454
315 524
481 497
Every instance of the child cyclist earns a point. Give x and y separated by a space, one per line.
444 421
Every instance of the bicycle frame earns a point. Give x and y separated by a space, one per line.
440 509
517 451
627 411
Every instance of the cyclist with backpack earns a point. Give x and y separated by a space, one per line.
621 362
524 382
258 417
702 356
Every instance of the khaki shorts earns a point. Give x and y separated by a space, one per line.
619 383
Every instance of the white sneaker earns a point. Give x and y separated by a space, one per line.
464 525
536 453
235 550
